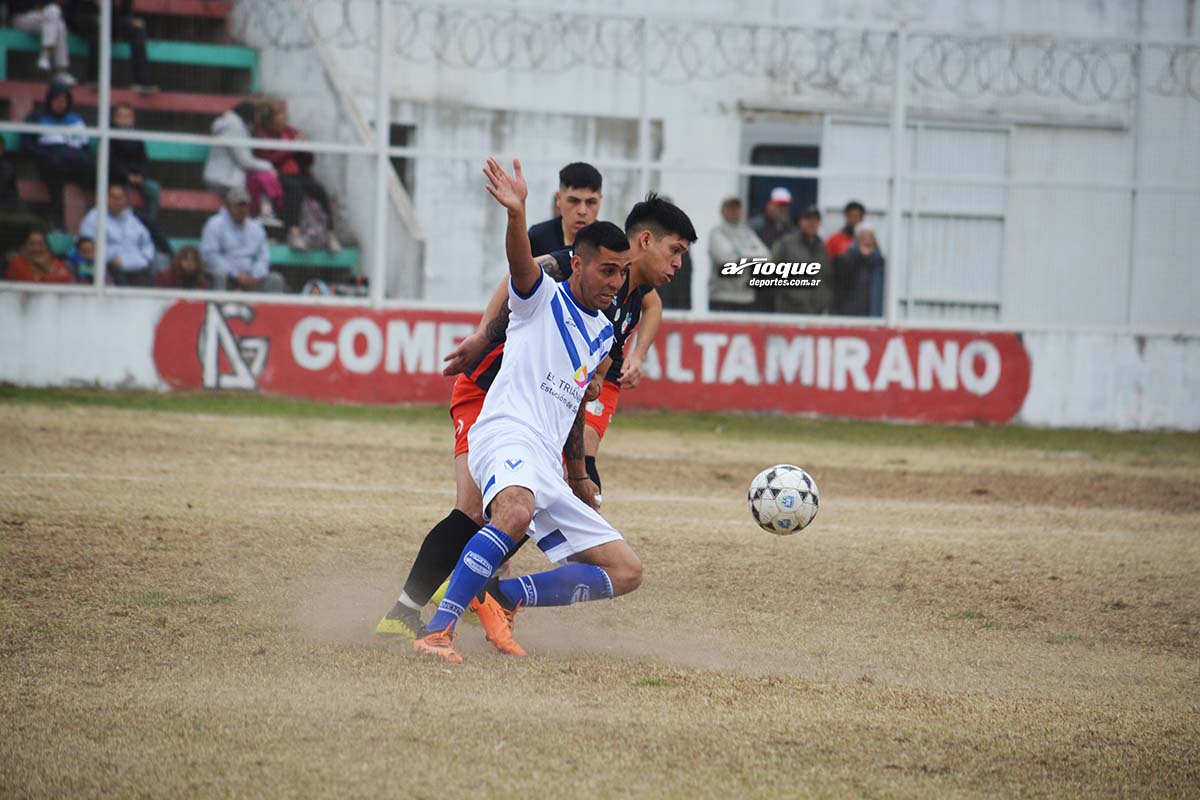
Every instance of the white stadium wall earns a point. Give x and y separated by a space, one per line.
1089 225
354 354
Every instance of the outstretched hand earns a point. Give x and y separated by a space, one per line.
468 352
510 191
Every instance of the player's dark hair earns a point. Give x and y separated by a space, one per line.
661 217
578 175
854 205
590 238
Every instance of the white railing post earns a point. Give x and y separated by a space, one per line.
383 74
895 260
104 101
644 111
1139 71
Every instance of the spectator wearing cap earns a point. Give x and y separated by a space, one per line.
804 245
730 242
128 246
840 242
234 248
776 219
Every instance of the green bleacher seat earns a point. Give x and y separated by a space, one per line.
170 52
281 255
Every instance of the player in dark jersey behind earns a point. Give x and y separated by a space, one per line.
659 234
577 202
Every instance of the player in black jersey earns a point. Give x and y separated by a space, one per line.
577 202
659 234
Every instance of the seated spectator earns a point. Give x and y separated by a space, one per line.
127 161
83 17
234 248
294 169
15 219
840 242
236 167
804 245
62 156
185 272
45 19
82 261
34 262
730 242
858 277
128 246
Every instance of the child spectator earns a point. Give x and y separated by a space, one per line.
62 156
45 19
128 245
185 272
82 261
127 161
236 167
294 169
34 262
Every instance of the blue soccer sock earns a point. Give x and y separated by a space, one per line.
573 583
478 561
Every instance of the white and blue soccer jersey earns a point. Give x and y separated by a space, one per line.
554 346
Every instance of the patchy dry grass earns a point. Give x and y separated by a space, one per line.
186 601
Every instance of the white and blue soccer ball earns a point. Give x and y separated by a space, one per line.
783 499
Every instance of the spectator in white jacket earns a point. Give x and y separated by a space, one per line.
237 167
234 248
129 249
730 242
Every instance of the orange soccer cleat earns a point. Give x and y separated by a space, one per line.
497 623
438 644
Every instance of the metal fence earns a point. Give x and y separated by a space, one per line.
957 141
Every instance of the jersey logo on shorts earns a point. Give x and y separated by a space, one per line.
595 408
459 424
513 464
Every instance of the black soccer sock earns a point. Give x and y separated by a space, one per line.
589 463
438 555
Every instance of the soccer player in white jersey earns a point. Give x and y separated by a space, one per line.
558 343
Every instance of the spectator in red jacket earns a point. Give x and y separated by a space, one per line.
35 263
294 168
840 242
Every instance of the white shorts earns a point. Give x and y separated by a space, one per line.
564 524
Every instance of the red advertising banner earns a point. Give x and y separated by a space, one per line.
363 356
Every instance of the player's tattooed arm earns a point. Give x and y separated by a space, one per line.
493 325
576 465
631 372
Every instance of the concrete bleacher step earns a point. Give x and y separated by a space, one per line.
174 112
194 66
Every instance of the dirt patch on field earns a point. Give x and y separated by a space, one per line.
186 605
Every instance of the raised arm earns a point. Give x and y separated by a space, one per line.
510 191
